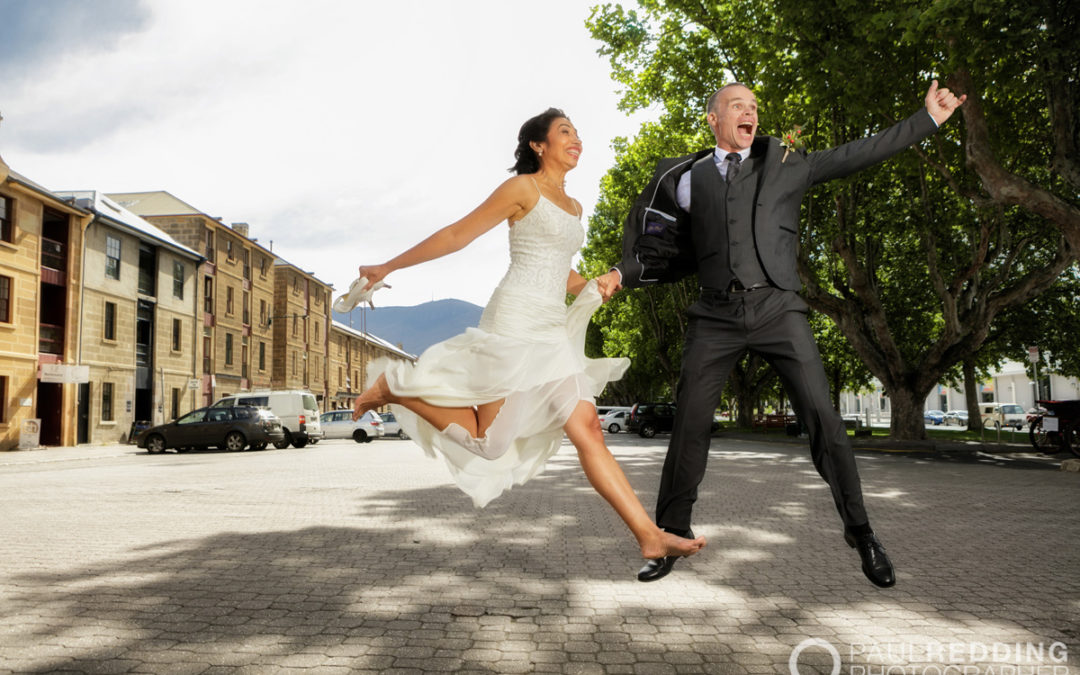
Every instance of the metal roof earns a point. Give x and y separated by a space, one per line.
98 203
374 338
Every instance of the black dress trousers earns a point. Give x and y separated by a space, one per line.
721 328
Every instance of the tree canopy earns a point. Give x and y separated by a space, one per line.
915 260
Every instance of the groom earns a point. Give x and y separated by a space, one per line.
731 214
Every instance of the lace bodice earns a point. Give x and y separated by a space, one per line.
542 245
530 301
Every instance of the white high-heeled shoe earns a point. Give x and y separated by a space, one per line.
356 295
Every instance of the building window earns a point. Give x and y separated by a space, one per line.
262 356
7 219
295 285
110 320
316 333
3 398
177 329
294 364
228 300
112 257
228 349
294 325
228 249
339 380
207 358
247 310
244 361
262 266
208 295
175 403
106 401
5 300
210 245
262 313
178 279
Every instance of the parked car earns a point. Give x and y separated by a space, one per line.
934 417
340 424
231 428
648 419
603 410
997 415
391 426
957 417
296 408
615 421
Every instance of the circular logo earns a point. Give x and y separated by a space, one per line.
793 661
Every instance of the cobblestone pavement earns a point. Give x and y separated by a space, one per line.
363 558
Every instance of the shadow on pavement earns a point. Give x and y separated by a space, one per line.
545 575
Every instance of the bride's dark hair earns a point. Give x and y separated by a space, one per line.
534 130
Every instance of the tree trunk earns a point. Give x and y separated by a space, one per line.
745 406
971 396
748 378
907 415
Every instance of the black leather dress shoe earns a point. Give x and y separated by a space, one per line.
875 562
658 568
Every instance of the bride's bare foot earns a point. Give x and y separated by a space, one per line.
667 544
378 394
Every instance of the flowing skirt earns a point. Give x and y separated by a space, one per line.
533 356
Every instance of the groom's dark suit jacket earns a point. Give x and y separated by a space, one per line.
657 242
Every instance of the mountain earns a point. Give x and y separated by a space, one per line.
415 328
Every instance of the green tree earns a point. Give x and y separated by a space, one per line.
916 259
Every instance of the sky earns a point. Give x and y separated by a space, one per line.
342 131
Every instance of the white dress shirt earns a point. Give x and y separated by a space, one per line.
682 190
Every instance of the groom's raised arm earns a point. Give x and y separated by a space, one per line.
848 158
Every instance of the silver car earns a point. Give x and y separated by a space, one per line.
615 421
391 426
340 424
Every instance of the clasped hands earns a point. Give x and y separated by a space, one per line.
608 284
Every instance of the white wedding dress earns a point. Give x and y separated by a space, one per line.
528 349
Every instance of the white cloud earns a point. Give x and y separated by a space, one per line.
343 131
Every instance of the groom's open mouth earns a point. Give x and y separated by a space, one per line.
746 129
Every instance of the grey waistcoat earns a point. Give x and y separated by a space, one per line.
722 225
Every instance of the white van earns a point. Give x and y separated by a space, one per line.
997 415
297 410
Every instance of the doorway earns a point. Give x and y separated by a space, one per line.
50 410
84 413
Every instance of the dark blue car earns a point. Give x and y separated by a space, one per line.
933 417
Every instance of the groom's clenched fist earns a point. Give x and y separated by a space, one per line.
941 103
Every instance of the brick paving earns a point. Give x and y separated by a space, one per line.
345 558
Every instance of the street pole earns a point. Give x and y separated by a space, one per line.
1033 357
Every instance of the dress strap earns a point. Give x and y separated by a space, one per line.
577 207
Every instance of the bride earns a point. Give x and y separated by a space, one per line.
495 401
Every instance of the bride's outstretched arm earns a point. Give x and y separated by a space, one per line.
512 198
575 282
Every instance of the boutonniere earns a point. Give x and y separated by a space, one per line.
792 140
